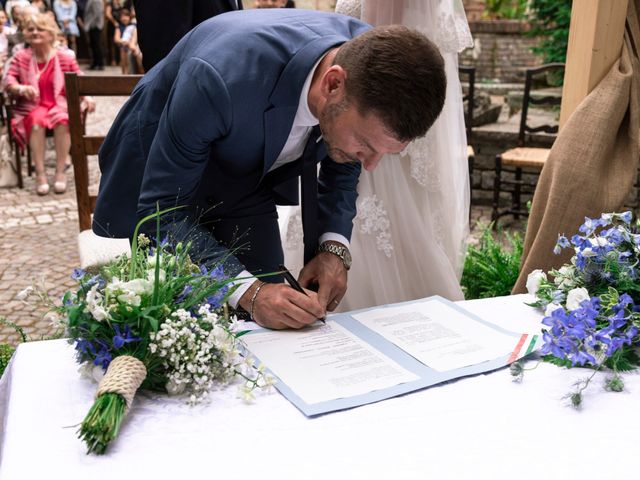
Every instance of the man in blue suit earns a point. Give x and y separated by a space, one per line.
228 120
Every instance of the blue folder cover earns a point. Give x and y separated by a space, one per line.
426 376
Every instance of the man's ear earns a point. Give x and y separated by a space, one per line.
333 81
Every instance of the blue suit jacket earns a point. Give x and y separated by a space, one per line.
203 127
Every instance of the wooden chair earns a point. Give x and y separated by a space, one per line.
7 106
470 74
94 250
523 157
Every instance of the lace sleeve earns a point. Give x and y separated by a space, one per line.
353 8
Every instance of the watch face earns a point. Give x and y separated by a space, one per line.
347 258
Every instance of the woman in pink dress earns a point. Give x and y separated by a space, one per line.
36 81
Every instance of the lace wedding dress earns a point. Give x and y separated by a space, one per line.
409 235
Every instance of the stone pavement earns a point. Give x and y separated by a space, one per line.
38 237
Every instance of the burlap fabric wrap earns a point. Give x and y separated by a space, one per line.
593 163
124 376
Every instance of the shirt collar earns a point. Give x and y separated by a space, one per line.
304 117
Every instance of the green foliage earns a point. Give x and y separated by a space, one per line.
505 9
550 20
6 352
491 269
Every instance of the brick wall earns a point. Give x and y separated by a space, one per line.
502 51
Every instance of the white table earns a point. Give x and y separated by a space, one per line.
480 427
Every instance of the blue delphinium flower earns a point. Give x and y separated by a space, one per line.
78 273
217 273
185 293
103 358
163 243
85 349
216 300
120 338
562 242
95 280
626 217
591 224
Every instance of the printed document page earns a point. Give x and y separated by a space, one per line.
438 335
325 362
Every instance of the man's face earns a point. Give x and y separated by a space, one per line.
353 137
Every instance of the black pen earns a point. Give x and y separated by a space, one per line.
291 280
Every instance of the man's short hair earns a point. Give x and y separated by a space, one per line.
398 74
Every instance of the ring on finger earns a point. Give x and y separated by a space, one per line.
336 302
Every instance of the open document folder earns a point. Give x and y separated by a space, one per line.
370 355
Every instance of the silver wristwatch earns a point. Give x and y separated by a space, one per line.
339 250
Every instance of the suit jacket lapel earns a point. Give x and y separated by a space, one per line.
277 126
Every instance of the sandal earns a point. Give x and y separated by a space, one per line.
60 186
42 185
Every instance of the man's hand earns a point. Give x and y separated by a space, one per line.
328 272
279 306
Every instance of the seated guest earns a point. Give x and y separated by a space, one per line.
36 81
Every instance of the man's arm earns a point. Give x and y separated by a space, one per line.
337 194
197 113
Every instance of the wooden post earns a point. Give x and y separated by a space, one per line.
595 43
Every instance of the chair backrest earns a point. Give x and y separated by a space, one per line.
528 99
83 145
469 97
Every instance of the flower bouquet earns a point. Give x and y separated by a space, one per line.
154 320
592 304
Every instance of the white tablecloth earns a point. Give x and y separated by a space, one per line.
480 427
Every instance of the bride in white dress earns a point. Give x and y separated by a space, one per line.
409 236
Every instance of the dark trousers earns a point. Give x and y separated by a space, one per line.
97 58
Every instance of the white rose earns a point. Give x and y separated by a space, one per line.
575 297
534 280
552 307
138 286
99 313
130 298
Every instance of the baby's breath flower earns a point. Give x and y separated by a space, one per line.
24 294
143 241
245 392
